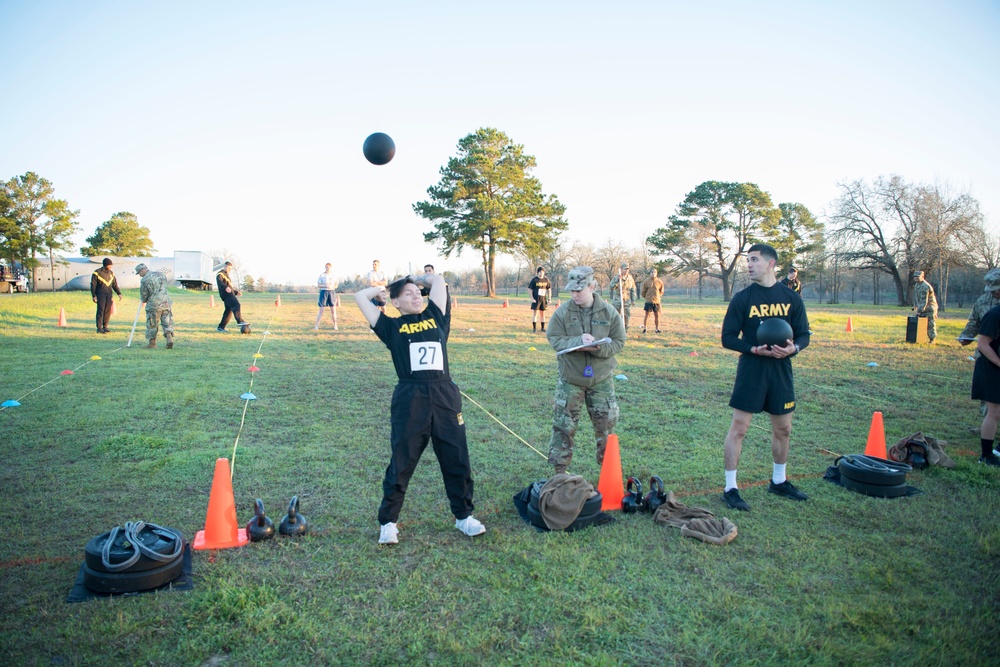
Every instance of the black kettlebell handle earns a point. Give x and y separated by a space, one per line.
656 484
638 487
293 509
259 509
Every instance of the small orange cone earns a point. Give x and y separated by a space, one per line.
611 484
454 302
277 302
221 530
850 326
211 301
114 308
505 304
876 438
62 317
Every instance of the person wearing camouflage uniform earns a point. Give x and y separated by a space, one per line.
586 376
924 303
153 292
983 305
626 292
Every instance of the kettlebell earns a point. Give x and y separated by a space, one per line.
656 495
260 527
293 523
633 501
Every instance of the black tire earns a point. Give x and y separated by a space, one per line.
875 490
581 521
870 470
131 582
118 555
589 507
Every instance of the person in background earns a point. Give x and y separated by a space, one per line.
327 295
925 303
791 280
103 286
159 307
652 294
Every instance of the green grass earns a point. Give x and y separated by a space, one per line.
841 579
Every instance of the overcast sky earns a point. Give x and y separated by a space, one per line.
239 125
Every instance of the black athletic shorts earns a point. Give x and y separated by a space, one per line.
763 385
986 381
651 307
541 304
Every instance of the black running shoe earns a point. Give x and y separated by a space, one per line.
991 460
787 490
733 499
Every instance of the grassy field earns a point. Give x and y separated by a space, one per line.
842 579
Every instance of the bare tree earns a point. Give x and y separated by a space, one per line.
948 226
875 224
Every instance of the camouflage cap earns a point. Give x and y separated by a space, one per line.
918 274
624 265
992 280
140 267
579 278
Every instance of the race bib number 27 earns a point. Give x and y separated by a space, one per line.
426 356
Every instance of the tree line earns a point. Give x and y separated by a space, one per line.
33 222
487 201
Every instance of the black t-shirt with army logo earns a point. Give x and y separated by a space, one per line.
754 304
417 343
540 287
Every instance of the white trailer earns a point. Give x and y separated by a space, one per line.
193 269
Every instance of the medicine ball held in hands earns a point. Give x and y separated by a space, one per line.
379 148
774 331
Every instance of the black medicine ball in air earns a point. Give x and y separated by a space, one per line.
379 148
774 331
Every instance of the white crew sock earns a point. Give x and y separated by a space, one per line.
730 479
778 476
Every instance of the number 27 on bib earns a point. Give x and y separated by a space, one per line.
426 356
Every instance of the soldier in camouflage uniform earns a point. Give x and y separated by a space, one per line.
153 292
626 292
924 303
586 376
983 304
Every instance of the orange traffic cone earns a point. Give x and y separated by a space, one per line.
221 530
850 327
62 318
211 301
454 302
505 304
277 302
114 308
876 438
611 484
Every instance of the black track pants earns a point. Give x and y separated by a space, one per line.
423 411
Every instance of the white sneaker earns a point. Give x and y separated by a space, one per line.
388 534
470 526
315 328
335 328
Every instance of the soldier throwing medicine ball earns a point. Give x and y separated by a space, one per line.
153 292
586 376
426 404
763 374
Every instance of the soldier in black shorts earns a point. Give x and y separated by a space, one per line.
986 382
426 404
763 374
540 287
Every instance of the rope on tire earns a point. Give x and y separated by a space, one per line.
131 535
